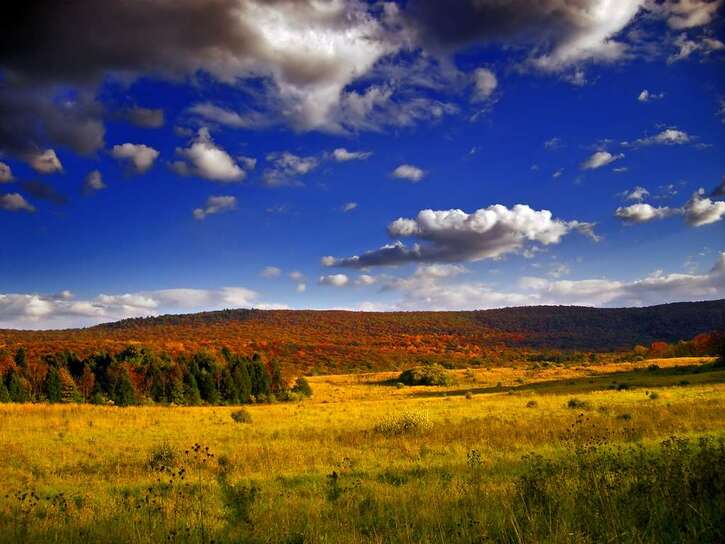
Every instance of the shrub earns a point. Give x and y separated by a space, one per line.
469 395
162 456
405 423
426 375
654 395
302 386
532 404
576 404
653 368
241 416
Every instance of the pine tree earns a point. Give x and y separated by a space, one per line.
124 393
21 358
243 381
18 387
191 393
4 394
277 383
52 386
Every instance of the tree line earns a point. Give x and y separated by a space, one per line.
138 375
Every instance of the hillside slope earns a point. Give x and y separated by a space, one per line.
331 341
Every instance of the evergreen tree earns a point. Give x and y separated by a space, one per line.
261 380
178 392
191 393
227 388
277 383
21 358
4 394
242 380
302 387
124 393
52 386
18 388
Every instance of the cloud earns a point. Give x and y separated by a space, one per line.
205 159
348 207
93 182
270 272
229 118
45 162
559 33
686 47
334 280
6 174
365 280
643 213
145 117
454 235
408 172
599 159
484 84
646 96
700 210
553 143
286 168
638 193
301 287
32 310
140 156
557 173
669 136
215 204
15 202
343 155
656 288
684 14
43 191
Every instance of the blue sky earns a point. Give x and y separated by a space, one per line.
259 154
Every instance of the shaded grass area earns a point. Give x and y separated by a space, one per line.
389 466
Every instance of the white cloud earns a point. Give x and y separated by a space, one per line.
286 167
686 47
558 173
63 310
334 280
93 182
700 210
485 83
646 96
15 202
638 193
669 136
408 172
349 206
553 143
141 156
301 287
683 14
222 116
454 235
145 117
599 159
270 272
365 279
207 160
45 162
6 174
643 213
215 204
343 155
296 275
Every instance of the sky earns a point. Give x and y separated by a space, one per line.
164 156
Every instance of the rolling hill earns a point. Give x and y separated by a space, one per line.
336 341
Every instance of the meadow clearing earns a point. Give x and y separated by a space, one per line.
626 452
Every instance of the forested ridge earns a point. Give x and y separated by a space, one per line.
341 341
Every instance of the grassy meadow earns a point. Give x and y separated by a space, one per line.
627 452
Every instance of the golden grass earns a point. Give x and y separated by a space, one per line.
99 456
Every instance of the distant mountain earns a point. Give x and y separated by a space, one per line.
340 340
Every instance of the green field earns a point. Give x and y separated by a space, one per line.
609 453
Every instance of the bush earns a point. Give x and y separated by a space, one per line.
162 456
532 404
654 395
426 375
405 423
576 404
653 368
241 416
302 387
469 395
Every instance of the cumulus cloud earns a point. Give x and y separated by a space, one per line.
93 182
15 202
646 96
343 155
270 272
37 311
454 235
599 159
334 280
643 213
408 172
484 84
668 136
286 168
638 193
45 162
365 279
43 191
684 14
141 157
6 174
145 117
214 205
205 159
700 210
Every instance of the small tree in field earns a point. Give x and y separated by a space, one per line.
302 387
